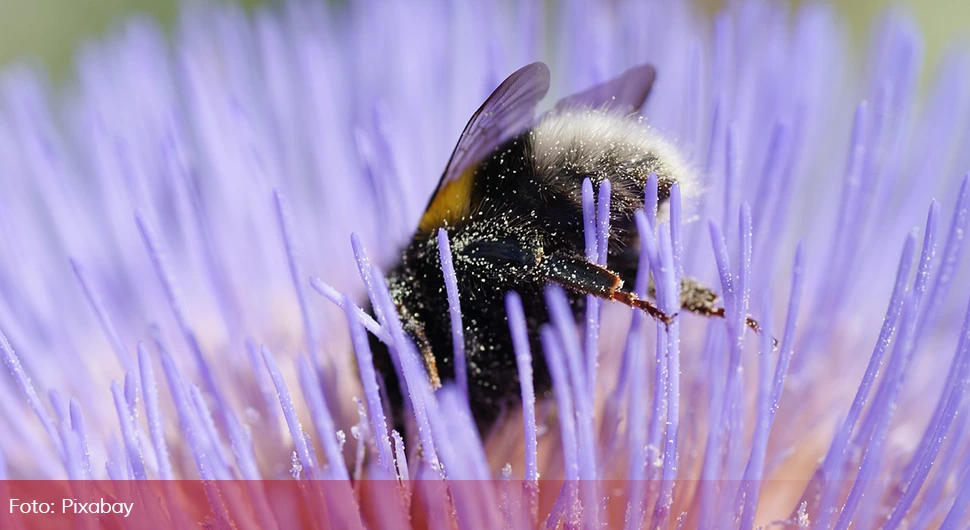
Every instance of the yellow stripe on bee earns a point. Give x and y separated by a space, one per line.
451 203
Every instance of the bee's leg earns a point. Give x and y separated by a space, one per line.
588 278
697 298
702 300
430 362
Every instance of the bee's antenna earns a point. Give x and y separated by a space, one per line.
749 321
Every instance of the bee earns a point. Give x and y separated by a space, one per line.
510 200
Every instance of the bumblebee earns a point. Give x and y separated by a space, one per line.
510 200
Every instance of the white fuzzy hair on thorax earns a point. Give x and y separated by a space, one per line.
592 141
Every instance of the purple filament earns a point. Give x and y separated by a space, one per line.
289 413
386 315
960 502
454 309
23 381
594 310
567 426
734 302
447 443
754 470
196 438
732 166
916 297
654 431
523 360
104 318
583 400
561 314
365 269
205 420
475 503
414 379
59 406
131 393
77 425
872 445
669 299
831 466
263 382
788 340
952 252
562 318
338 299
368 378
361 433
768 180
592 240
589 221
952 396
877 422
932 505
651 199
128 434
215 267
116 471
73 460
463 433
734 402
322 420
632 346
636 382
175 303
242 449
744 269
722 259
296 276
841 238
603 222
400 457
676 233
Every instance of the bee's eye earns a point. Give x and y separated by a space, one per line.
506 252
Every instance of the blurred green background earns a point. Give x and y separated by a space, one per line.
48 31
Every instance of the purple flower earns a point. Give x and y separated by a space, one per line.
170 221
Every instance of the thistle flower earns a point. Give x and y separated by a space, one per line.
163 217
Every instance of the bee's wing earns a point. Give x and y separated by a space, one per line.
508 111
624 93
